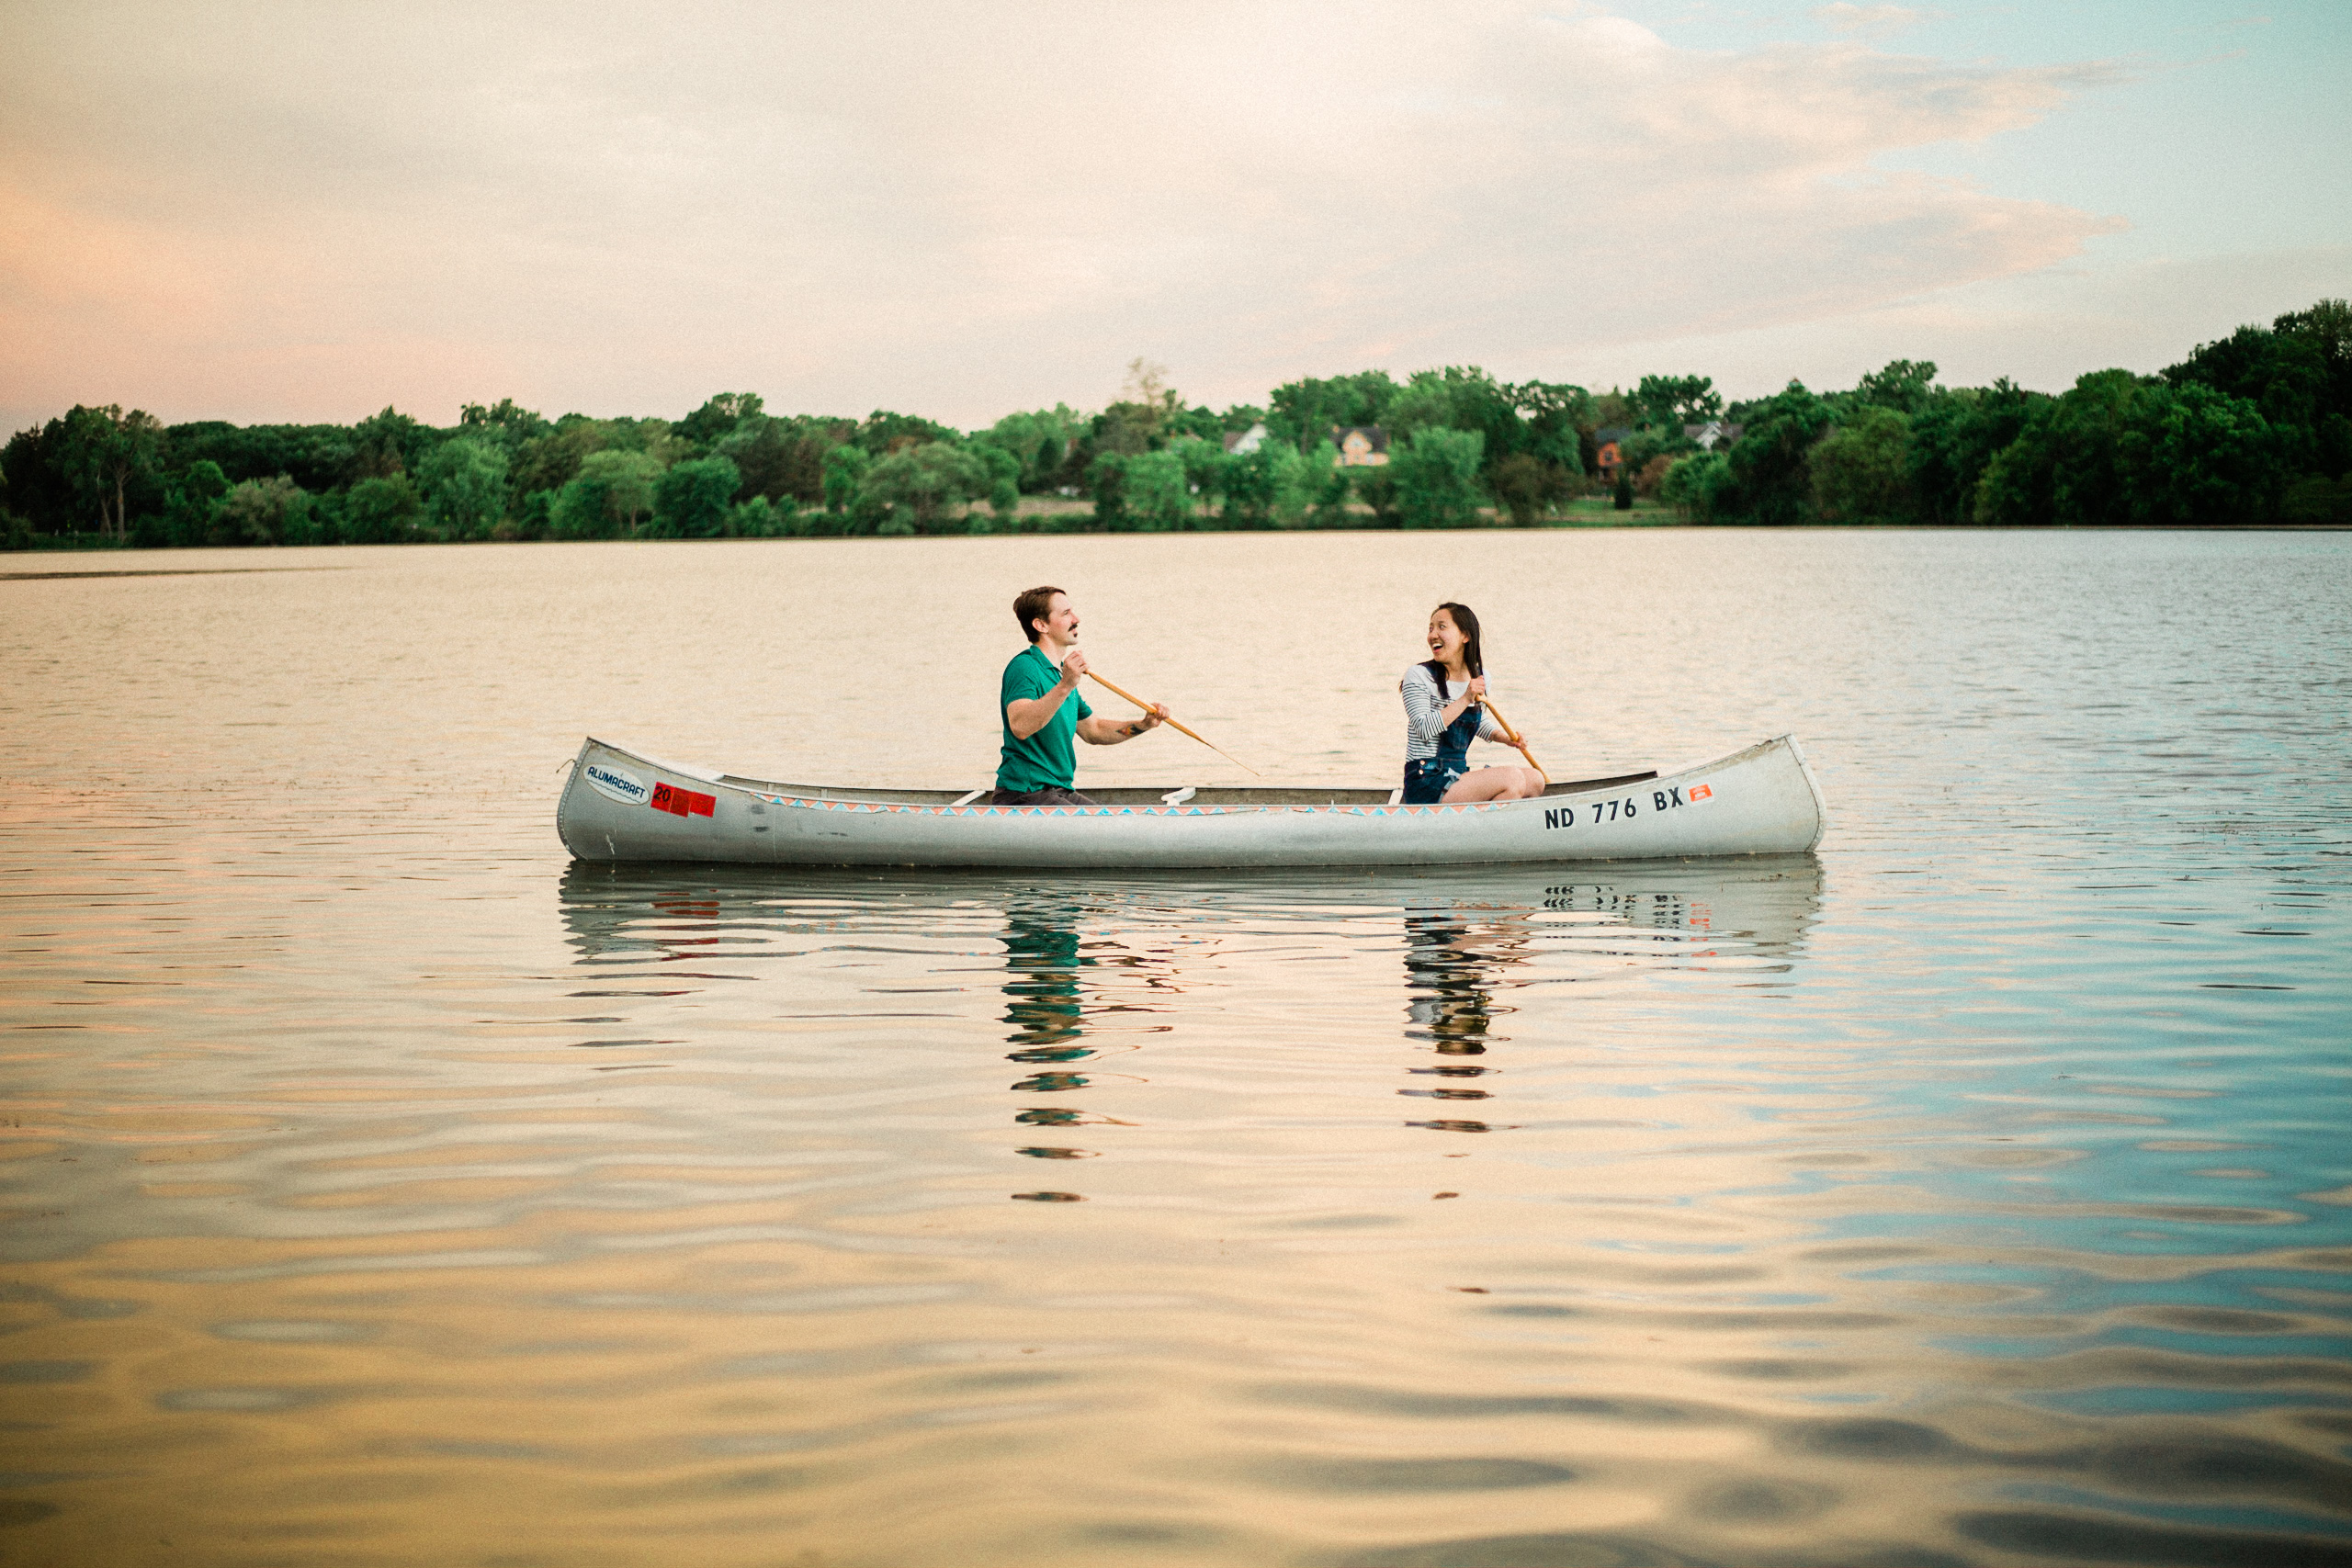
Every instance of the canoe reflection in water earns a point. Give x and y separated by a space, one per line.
1084 971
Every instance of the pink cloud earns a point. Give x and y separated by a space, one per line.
303 215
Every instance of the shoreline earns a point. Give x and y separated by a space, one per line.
110 547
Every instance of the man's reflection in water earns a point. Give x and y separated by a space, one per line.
1047 1012
1453 958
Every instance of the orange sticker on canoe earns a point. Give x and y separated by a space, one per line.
1699 791
682 802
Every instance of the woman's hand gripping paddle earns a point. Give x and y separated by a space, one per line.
1512 736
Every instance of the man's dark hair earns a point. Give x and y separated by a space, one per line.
1032 607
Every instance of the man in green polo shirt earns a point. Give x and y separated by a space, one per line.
1043 710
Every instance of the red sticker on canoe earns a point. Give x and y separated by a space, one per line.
682 802
1698 792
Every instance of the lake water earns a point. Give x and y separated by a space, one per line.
382 1188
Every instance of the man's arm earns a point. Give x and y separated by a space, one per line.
1026 716
1101 731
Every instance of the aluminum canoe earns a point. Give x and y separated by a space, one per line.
619 804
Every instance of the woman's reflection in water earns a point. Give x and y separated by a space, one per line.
1455 958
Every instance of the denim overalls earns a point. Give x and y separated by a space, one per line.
1428 778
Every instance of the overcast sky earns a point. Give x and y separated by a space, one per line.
307 211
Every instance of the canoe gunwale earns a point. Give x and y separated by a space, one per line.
1230 796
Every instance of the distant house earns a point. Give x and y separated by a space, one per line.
1241 441
1360 446
1712 434
1608 439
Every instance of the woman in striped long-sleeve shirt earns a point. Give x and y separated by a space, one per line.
1444 707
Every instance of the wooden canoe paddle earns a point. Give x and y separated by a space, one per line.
1512 736
1174 724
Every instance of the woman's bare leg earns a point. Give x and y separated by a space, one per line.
1495 784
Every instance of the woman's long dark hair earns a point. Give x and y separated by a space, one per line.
1474 663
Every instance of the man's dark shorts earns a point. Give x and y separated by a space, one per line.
1048 796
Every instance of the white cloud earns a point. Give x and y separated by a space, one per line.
1871 21
955 210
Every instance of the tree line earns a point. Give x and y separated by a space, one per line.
2254 429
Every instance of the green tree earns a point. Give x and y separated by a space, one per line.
2289 376
1461 397
1373 488
535 516
188 505
844 471
1004 480
381 511
105 454
1546 428
2285 375
1303 413
1144 416
549 461
1297 482
1673 401
1954 436
1527 486
767 452
2121 450
1861 469
1039 439
692 499
319 457
38 490
255 512
1770 468
1696 486
1106 481
388 443
2201 458
1246 483
1159 498
506 421
883 433
913 490
1424 402
464 482
1435 471
1905 385
719 417
2327 327
1208 472
609 495
305 520
1611 408
1648 444
759 518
